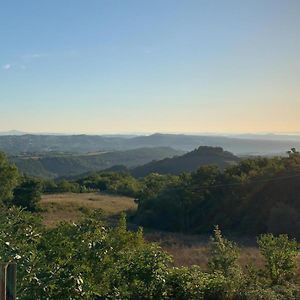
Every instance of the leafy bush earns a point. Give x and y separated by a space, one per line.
20 236
88 261
192 283
80 261
223 255
141 274
280 253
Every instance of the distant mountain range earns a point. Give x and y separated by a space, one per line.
12 132
82 144
188 162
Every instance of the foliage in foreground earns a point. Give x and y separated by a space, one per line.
86 260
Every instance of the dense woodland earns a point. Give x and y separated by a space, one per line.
89 260
256 195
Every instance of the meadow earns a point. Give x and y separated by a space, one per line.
186 249
70 207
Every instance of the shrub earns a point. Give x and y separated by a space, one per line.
280 253
223 255
20 236
140 274
89 261
192 283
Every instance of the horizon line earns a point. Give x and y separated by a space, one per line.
137 133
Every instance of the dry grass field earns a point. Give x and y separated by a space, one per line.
186 249
69 207
190 250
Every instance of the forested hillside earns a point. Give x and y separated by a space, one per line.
257 195
53 166
188 162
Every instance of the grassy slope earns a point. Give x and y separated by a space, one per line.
69 207
186 249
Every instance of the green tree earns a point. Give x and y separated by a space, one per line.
28 195
65 186
9 176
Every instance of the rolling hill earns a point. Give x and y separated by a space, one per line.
188 162
82 144
70 165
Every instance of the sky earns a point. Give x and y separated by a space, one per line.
123 66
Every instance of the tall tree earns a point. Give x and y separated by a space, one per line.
28 194
9 176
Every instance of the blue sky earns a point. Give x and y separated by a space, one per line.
108 66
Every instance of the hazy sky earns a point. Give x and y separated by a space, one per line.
150 65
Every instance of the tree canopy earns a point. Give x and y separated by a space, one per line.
9 176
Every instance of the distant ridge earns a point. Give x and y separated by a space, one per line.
12 132
82 144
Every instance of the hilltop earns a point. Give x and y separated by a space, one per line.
189 162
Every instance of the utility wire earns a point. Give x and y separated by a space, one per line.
229 184
249 182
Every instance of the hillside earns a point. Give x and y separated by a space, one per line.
254 196
69 165
82 144
188 162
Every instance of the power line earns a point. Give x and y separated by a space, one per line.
270 179
249 182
